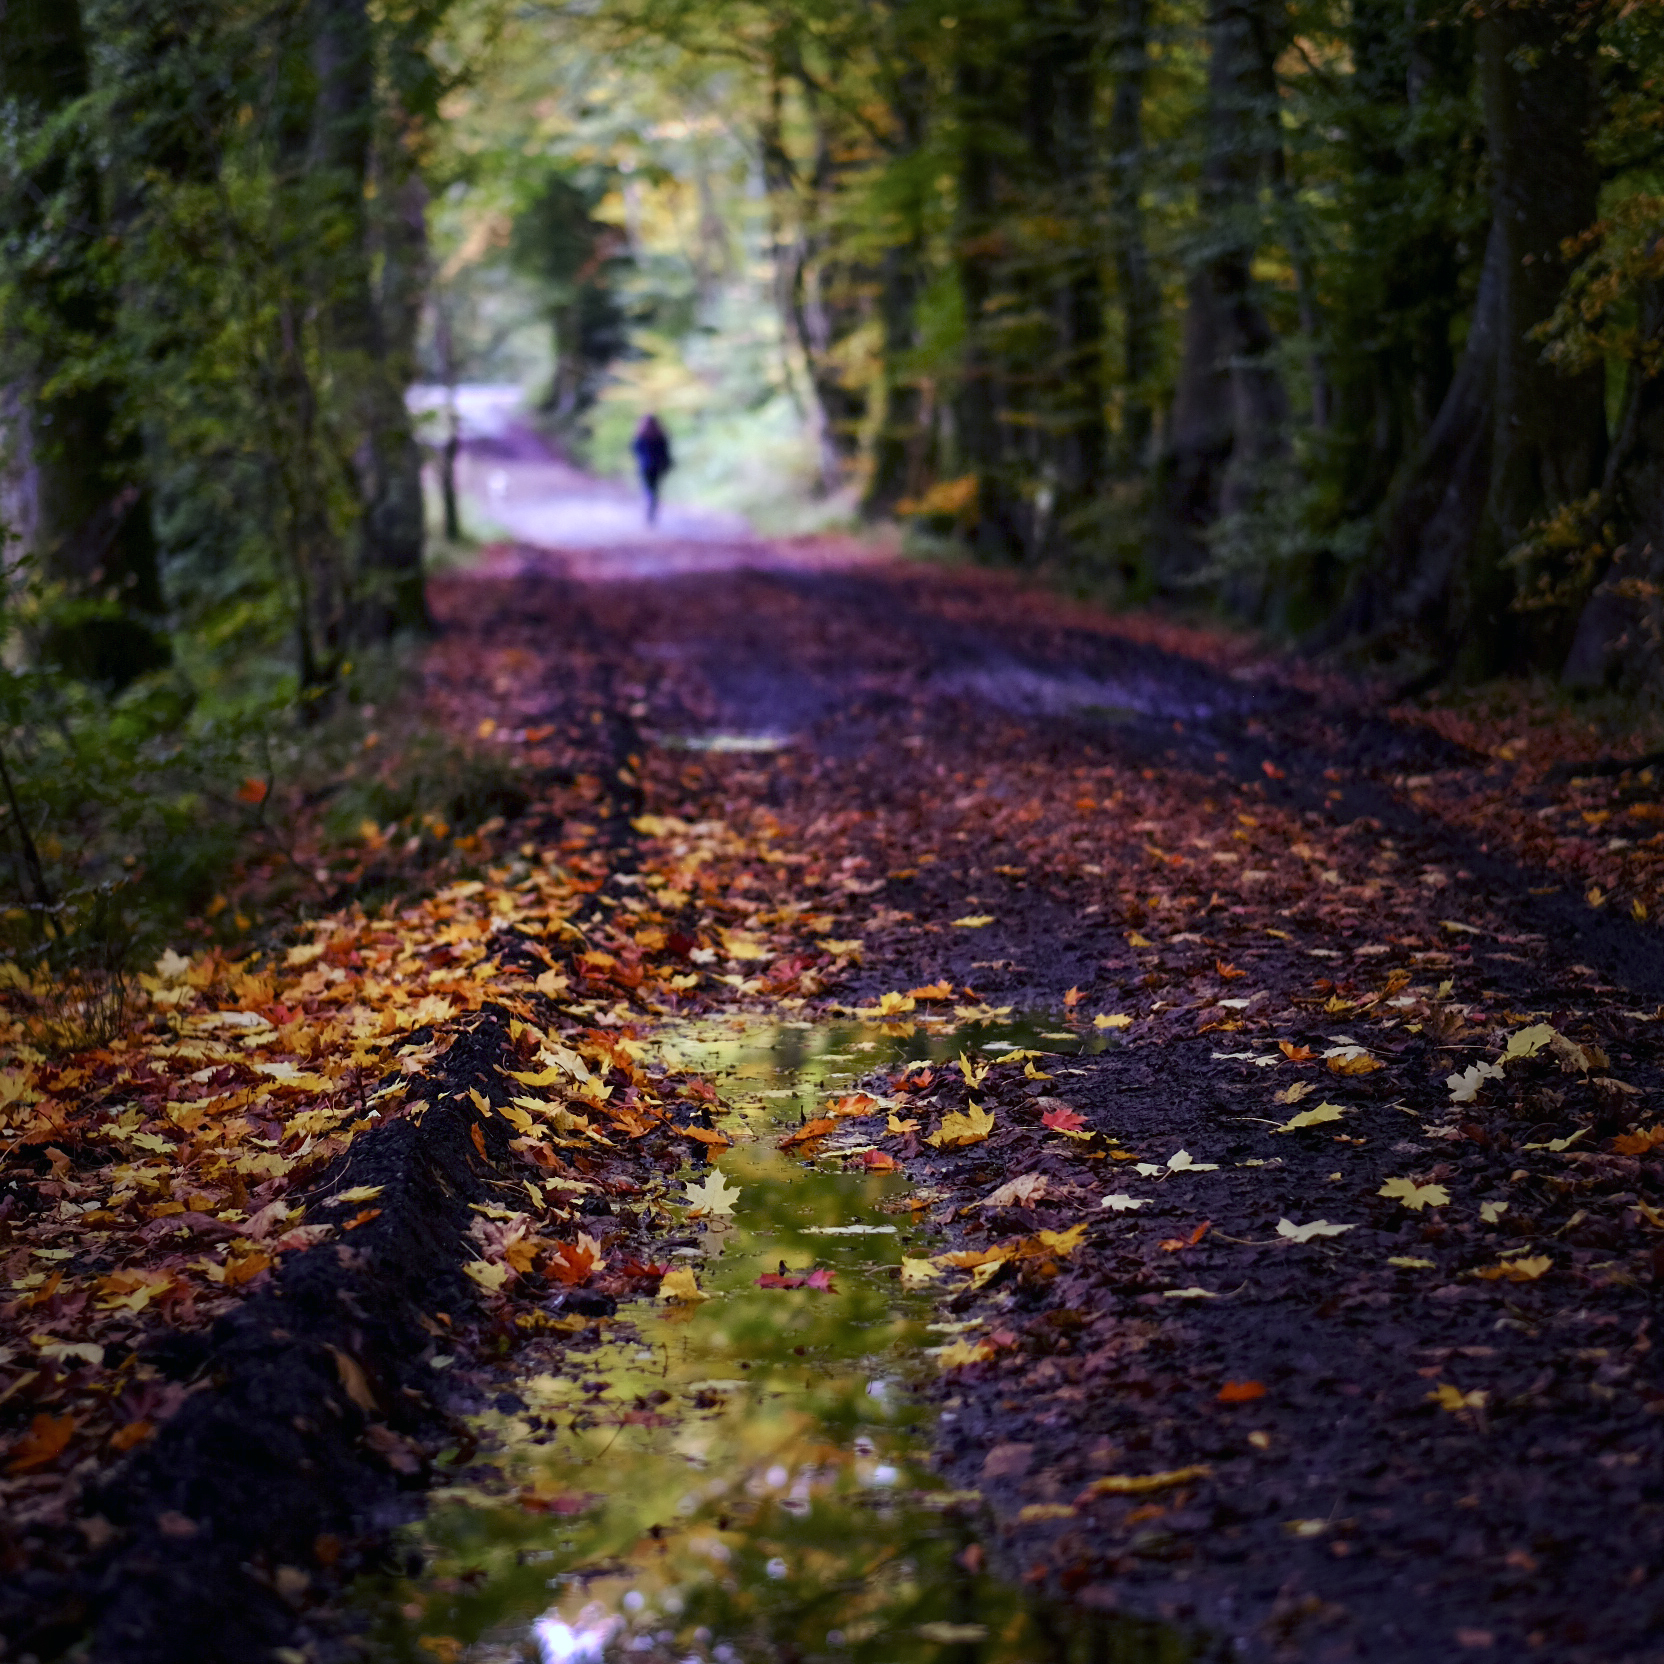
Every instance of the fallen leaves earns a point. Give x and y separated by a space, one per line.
1063 1119
1142 1484
819 1279
1023 1191
1241 1392
1316 1116
1526 1270
1415 1196
960 1128
1287 1229
46 1439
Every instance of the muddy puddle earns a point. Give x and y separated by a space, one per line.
747 1478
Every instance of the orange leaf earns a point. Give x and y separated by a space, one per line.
479 1140
1241 1392
361 1218
875 1161
44 1441
1294 1053
571 1264
1073 998
1229 972
932 991
1637 1143
135 1432
704 1135
252 791
246 1269
1362 1065
809 1132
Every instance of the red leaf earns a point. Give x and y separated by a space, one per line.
1063 1120
252 791
1241 1392
875 1161
571 1264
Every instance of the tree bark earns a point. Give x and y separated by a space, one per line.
1514 438
1140 298
896 460
93 527
389 587
1620 632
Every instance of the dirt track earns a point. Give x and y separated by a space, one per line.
1441 1426
952 747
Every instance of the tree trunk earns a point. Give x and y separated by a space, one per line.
1230 419
1139 295
1514 438
896 460
1002 530
388 588
1620 633
92 526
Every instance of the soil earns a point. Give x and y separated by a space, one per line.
991 798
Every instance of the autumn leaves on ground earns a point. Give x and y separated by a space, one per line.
1312 1314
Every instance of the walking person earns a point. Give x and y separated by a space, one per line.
652 447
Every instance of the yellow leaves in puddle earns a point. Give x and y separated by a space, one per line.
713 1196
1141 1484
1415 1196
1316 1116
1112 1019
975 921
957 1130
1516 1271
919 1273
681 1286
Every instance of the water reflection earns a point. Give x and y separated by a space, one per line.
748 1478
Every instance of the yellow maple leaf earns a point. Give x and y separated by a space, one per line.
1516 1271
1455 1400
918 1273
1313 1117
1112 1019
896 1125
1414 1196
963 1352
975 921
358 1193
958 1130
892 1005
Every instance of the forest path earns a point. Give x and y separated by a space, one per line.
1356 1362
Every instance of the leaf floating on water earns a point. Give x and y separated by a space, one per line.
1112 1019
682 1286
715 1195
1414 1196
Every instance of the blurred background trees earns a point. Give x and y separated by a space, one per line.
1340 317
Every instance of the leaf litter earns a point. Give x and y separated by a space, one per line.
165 1175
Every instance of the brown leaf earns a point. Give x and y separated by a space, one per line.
44 1442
